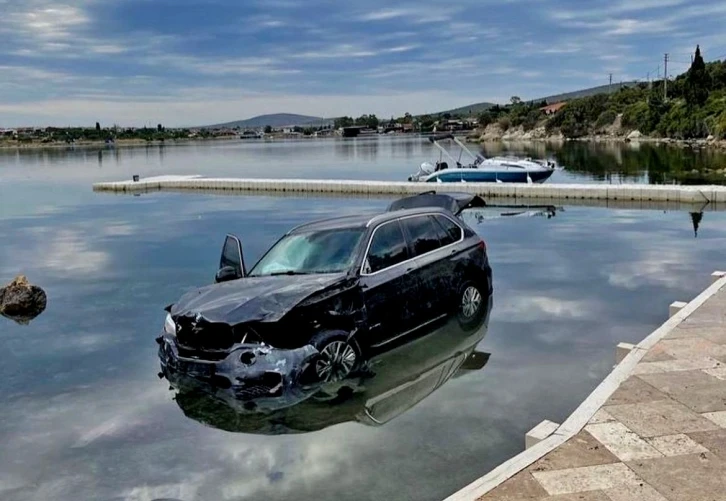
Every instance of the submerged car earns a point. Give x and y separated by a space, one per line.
393 382
327 293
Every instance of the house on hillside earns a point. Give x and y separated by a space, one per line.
552 109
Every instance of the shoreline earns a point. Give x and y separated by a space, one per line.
514 136
7 145
493 134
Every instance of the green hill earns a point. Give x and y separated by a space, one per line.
476 108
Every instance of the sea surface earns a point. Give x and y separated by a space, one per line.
84 414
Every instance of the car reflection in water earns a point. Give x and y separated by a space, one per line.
389 383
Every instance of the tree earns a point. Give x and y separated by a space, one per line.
160 128
697 81
405 119
367 121
516 100
343 122
98 126
485 118
268 129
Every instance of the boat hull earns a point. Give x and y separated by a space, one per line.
485 176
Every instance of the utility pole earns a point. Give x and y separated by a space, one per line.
610 85
665 79
650 84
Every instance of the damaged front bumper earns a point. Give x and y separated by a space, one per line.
248 372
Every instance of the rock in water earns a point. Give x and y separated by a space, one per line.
21 301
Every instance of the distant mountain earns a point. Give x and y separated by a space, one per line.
274 120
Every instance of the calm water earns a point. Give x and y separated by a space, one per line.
83 414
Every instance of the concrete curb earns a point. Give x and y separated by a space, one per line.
582 415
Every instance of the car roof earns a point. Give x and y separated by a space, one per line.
357 221
362 221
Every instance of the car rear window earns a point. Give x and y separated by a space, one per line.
388 248
453 231
424 234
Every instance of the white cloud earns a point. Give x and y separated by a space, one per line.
63 252
536 308
420 14
662 268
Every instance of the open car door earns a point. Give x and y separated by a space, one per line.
231 262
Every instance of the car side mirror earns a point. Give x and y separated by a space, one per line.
226 274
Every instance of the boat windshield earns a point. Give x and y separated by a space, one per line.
322 251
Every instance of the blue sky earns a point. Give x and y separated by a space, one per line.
186 62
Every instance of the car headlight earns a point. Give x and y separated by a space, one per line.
169 325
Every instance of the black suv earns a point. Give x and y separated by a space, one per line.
327 293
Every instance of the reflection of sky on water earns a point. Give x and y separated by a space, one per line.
84 416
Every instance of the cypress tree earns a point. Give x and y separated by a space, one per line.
697 81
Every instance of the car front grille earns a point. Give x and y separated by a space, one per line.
268 385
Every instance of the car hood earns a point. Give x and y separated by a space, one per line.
253 298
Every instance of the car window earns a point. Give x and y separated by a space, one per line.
423 233
327 251
231 255
388 248
453 231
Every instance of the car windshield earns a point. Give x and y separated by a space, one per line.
325 251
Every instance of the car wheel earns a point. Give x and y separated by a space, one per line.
471 304
337 357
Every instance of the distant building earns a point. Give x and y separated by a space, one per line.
552 108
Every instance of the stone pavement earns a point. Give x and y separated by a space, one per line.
660 437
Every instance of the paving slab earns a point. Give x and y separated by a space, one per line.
665 417
580 496
714 441
642 492
522 487
714 334
692 348
697 390
588 478
622 441
601 416
656 355
676 445
719 373
581 450
635 390
676 365
685 478
718 418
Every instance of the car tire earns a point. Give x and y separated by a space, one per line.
338 356
471 304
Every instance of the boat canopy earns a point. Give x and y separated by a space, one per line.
454 202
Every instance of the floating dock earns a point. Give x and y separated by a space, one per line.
653 430
603 192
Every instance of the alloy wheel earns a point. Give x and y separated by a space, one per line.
470 301
336 361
